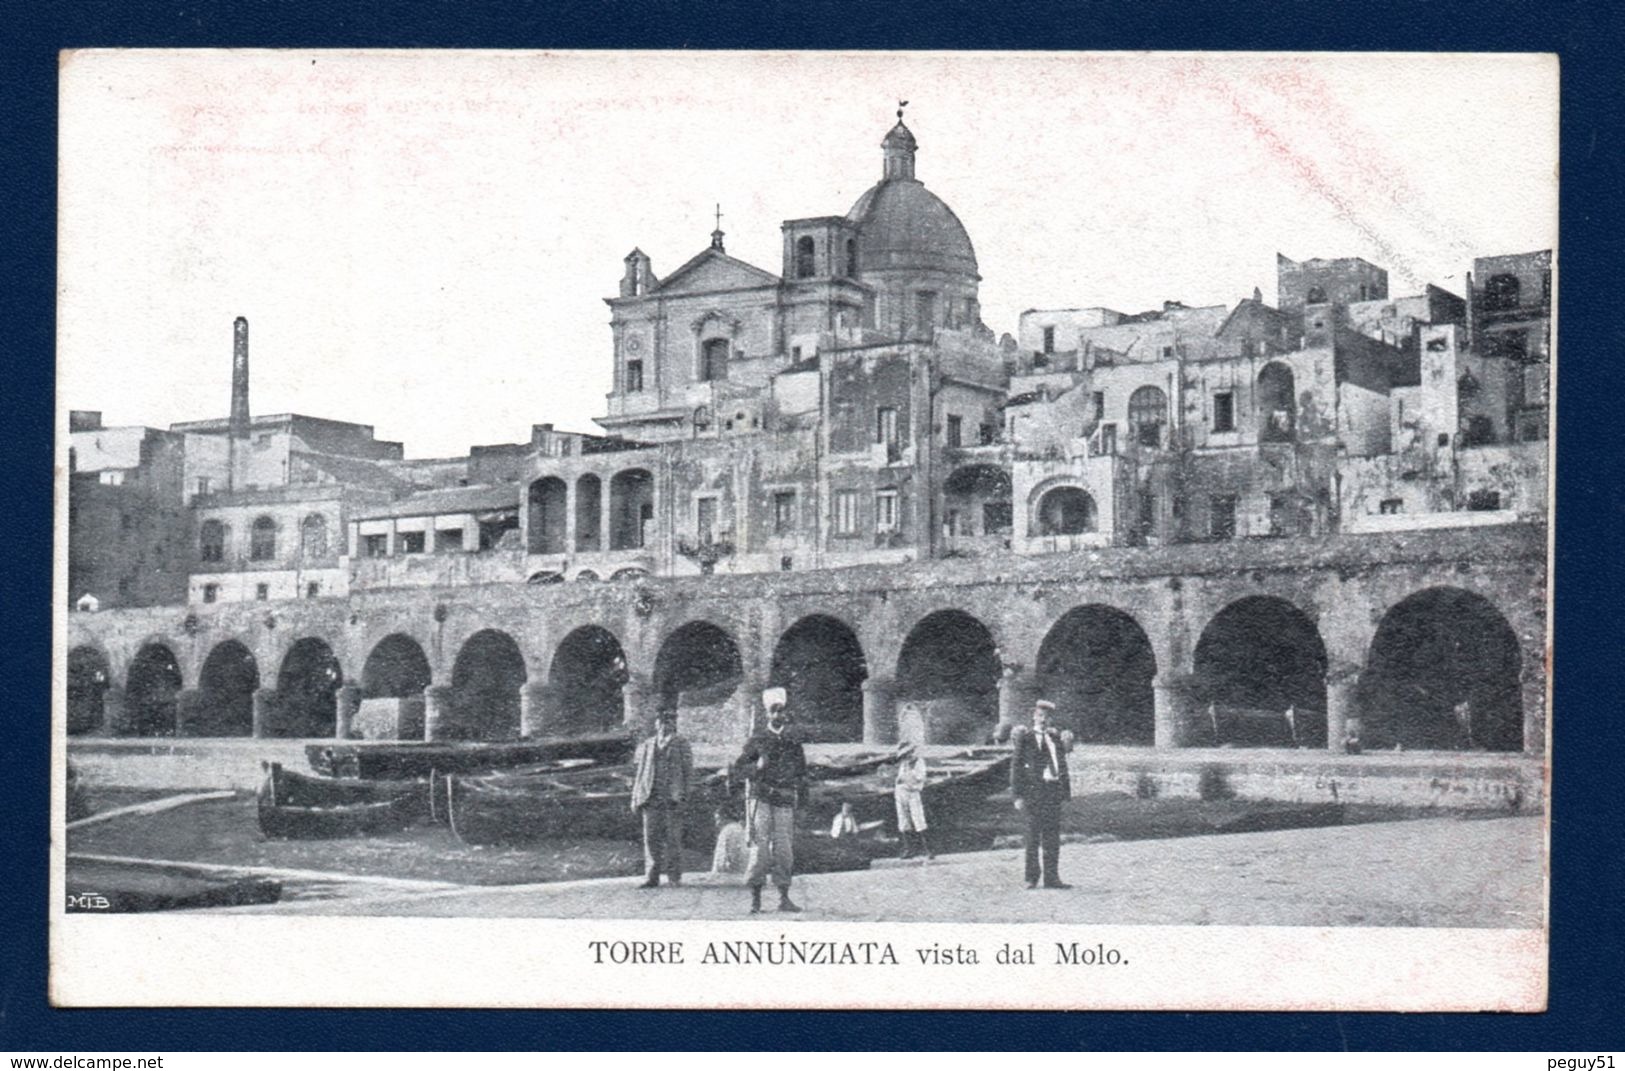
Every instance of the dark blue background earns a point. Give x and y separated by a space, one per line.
1588 859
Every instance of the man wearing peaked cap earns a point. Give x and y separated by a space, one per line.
1041 784
775 766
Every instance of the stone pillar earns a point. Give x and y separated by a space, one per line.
1017 691
1532 685
1169 718
879 711
263 707
346 705
436 711
188 710
635 712
1342 715
112 712
540 707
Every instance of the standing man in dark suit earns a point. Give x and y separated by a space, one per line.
1040 784
662 779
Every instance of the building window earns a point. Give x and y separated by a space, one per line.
705 518
1316 296
1167 352
786 564
1098 400
784 512
1224 411
313 536
1147 412
448 541
986 434
1484 501
846 513
124 587
1049 340
313 590
411 542
1106 441
212 542
211 592
805 252
1391 506
1365 292
886 426
956 431
714 359
375 546
634 376
886 511
262 592
1501 292
852 257
1221 518
925 309
262 540
202 485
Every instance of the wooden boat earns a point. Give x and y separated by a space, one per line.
402 760
512 807
100 887
956 786
292 806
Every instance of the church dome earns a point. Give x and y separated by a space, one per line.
904 226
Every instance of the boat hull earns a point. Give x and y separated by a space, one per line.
400 760
292 806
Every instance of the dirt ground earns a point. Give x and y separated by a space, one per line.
226 832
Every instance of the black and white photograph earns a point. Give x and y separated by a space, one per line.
798 529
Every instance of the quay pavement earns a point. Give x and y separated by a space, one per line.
1445 872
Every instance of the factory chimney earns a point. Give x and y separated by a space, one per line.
239 379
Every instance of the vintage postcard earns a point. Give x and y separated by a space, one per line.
859 530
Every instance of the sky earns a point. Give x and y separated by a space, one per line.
422 241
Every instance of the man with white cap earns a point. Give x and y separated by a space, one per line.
775 766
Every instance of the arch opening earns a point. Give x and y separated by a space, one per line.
949 670
1277 405
589 671
88 681
697 666
1147 415
1065 511
1096 665
547 521
589 513
631 509
226 687
820 664
1260 677
485 683
1443 674
396 669
307 688
151 693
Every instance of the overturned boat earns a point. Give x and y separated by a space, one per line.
403 760
956 787
296 806
547 803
